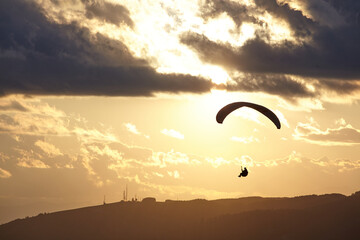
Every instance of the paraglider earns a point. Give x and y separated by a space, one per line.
225 111
222 114
244 172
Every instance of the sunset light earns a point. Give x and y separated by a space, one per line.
108 101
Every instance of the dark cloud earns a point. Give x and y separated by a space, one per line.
348 9
341 87
109 12
43 57
332 52
272 84
239 13
210 51
323 12
299 24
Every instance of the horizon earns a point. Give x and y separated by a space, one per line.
152 199
97 96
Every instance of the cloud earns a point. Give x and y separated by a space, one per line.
341 164
340 87
299 24
38 119
108 12
102 161
12 105
48 148
66 59
133 129
321 11
4 173
313 51
93 135
163 159
30 159
245 140
346 164
119 160
217 162
70 56
343 135
302 104
239 13
275 84
30 128
158 174
294 157
172 133
244 160
175 174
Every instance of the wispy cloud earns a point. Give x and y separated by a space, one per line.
4 173
158 174
133 129
175 174
303 105
345 134
293 157
30 159
341 164
217 162
245 140
33 117
172 133
48 148
163 159
93 135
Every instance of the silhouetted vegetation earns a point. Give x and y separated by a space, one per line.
331 216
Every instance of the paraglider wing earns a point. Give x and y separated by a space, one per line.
221 115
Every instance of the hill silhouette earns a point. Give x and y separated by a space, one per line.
330 216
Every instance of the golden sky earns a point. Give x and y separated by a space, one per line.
97 95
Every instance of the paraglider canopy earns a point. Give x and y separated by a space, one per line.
222 114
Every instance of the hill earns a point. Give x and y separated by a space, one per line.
331 216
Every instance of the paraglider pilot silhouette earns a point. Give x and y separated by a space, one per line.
244 172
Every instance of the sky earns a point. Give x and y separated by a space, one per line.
97 95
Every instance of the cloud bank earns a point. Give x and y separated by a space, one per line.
292 49
321 47
40 56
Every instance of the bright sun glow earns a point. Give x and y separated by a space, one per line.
278 29
220 29
215 73
247 32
